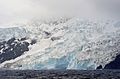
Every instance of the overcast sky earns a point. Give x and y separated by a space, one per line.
19 11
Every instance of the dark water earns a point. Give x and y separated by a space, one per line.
59 74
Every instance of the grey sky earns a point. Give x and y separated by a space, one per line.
17 11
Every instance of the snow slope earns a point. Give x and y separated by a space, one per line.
10 32
67 43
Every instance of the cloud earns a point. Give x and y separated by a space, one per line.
18 11
23 10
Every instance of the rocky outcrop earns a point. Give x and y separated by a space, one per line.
115 64
13 48
99 67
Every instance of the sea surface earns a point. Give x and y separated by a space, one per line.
59 74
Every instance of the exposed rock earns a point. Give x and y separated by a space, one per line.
55 38
115 64
12 49
22 39
99 67
47 33
33 41
10 40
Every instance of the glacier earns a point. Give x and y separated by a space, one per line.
66 43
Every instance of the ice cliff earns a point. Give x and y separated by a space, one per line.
66 43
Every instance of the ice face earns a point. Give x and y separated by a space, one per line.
73 43
8 33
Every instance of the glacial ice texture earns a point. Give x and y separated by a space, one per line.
67 43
